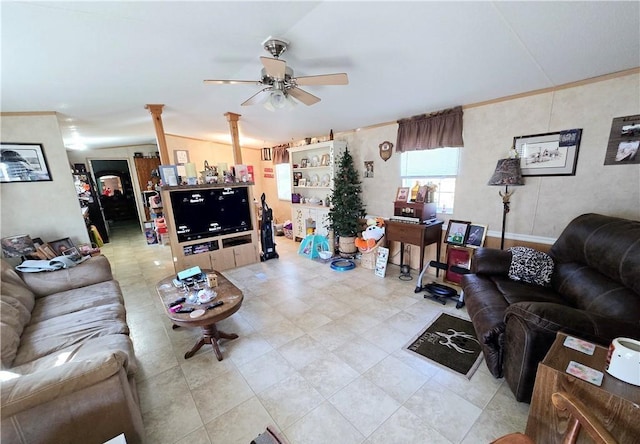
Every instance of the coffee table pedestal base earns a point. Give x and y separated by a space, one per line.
210 335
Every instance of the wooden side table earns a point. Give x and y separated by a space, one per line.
616 404
414 234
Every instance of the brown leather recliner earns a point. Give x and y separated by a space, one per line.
594 294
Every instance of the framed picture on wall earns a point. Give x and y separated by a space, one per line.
182 156
23 162
550 154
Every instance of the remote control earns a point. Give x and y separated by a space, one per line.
176 302
185 310
214 305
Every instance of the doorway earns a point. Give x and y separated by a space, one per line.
115 188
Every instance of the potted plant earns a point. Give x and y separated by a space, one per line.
346 204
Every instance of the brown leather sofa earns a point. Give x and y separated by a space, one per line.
594 294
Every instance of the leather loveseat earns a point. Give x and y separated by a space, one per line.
594 294
68 365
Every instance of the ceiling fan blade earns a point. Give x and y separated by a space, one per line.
325 79
275 68
230 82
303 96
254 99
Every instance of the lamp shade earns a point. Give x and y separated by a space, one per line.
507 173
278 99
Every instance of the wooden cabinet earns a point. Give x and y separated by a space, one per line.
422 211
616 404
220 252
414 234
313 168
144 168
309 219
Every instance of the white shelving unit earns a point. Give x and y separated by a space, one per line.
313 168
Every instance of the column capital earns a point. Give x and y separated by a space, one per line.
232 117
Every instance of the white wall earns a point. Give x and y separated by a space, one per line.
49 210
544 205
540 209
379 192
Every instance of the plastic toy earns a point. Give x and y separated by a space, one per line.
371 235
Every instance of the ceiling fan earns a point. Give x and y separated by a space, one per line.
279 82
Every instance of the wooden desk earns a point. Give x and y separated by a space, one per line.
616 404
414 234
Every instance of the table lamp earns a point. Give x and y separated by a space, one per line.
507 173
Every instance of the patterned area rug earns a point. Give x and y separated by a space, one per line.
451 342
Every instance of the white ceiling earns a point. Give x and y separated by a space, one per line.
98 63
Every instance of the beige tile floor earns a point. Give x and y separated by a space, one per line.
319 356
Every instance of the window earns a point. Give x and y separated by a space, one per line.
437 166
283 181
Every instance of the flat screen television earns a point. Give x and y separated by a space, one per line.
203 213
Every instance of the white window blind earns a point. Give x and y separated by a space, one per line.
283 181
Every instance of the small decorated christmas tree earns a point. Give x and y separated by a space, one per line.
346 200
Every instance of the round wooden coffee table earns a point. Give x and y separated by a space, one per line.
228 293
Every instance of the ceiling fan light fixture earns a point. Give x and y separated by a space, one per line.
280 87
277 100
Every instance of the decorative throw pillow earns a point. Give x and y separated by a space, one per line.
531 266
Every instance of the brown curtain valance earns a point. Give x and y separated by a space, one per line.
280 154
427 131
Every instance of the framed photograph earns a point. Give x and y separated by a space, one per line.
169 175
72 253
550 154
457 257
24 162
302 182
61 247
47 251
475 236
456 232
17 246
624 141
324 160
422 194
182 156
304 163
368 168
403 194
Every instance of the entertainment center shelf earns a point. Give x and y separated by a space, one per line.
211 226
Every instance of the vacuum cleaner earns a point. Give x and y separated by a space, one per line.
266 233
